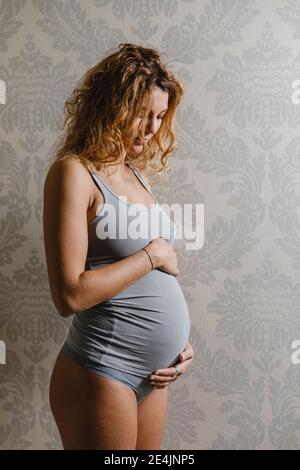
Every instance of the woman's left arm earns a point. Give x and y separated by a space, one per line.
162 377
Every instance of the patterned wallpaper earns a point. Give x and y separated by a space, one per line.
238 153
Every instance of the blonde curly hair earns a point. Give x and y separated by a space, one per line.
108 100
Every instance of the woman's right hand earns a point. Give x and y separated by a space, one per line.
163 256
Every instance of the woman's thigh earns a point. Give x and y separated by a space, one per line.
152 414
91 411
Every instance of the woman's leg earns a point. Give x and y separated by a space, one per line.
91 411
152 414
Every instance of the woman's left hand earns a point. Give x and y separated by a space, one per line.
162 377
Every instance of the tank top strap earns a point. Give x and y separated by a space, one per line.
143 181
109 196
138 174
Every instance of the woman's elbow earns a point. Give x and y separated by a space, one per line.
64 308
69 305
64 303
74 298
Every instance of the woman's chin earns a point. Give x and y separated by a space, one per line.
137 149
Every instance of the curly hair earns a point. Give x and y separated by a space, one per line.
108 100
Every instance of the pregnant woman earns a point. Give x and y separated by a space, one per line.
111 263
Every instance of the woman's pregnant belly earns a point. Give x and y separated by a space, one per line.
143 328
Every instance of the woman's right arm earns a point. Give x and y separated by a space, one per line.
67 197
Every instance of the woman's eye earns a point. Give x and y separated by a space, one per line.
159 117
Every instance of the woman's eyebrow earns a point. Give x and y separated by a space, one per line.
143 109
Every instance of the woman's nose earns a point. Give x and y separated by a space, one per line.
152 126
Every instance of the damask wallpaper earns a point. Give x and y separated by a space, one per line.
238 153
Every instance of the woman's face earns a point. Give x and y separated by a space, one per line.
159 108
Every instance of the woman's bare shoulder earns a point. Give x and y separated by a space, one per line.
69 173
66 165
68 168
